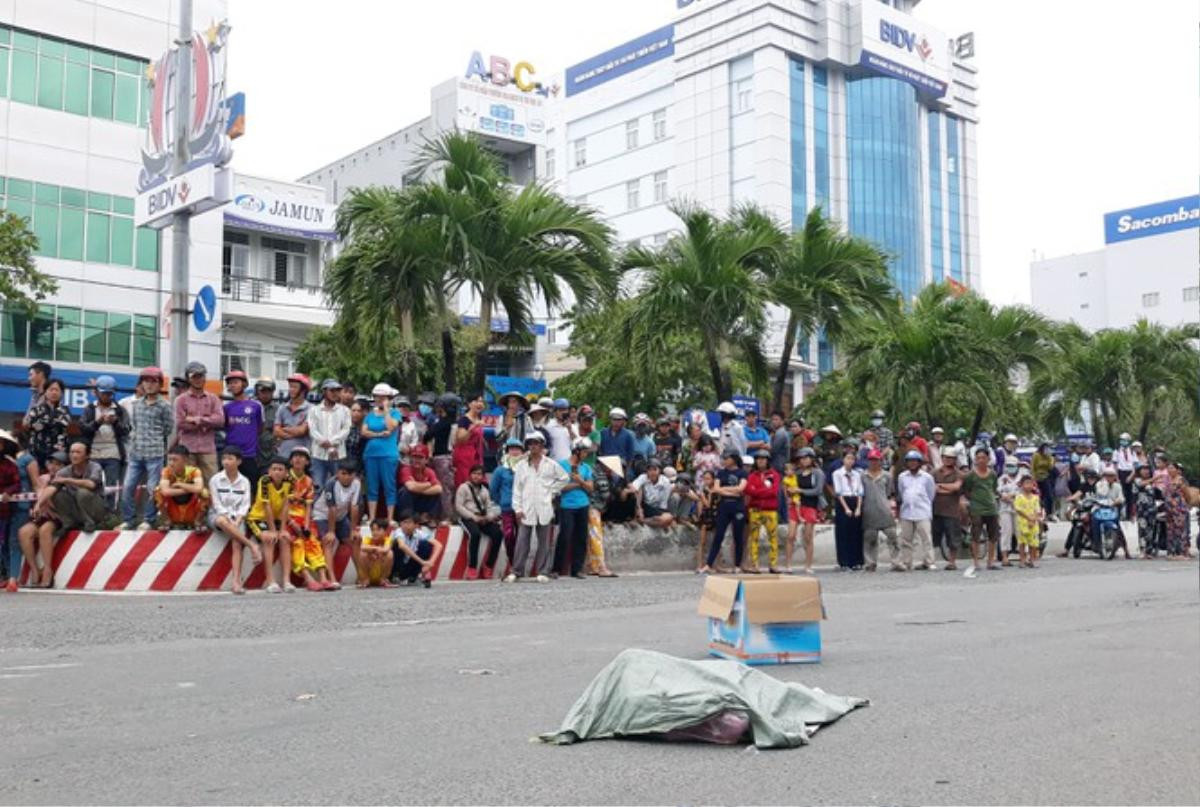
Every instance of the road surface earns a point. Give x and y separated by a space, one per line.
1072 683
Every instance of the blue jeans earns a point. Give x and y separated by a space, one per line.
322 470
152 470
12 553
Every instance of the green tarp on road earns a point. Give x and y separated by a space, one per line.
642 692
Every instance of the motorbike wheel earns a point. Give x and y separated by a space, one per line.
1076 542
942 544
1109 543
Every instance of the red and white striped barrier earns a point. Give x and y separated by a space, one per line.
182 561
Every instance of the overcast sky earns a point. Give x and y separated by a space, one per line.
1086 106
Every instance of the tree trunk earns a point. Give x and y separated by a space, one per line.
481 352
785 358
977 424
1147 417
720 378
449 371
1108 427
1096 432
408 353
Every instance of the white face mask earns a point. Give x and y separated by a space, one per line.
876 421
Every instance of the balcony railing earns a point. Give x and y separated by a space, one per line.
246 289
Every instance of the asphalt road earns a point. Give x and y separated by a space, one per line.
1074 683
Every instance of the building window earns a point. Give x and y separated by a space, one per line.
286 263
660 239
660 124
1085 306
660 187
235 261
1083 274
550 167
631 194
65 334
821 136
71 77
743 95
631 135
581 152
1150 300
1191 294
75 225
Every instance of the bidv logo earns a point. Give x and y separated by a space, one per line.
904 39
173 195
250 203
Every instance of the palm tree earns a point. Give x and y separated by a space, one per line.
903 361
827 279
947 343
508 247
1002 341
710 281
1082 369
1163 360
383 275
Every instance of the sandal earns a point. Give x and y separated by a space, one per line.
608 574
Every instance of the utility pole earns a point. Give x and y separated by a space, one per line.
181 221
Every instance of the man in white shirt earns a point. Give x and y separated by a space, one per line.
230 502
915 491
1091 459
328 425
733 436
560 430
653 491
536 481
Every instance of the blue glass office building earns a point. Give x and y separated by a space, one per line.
859 107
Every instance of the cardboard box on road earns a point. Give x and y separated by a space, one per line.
763 619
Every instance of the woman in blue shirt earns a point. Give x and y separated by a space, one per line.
573 508
500 489
731 510
381 453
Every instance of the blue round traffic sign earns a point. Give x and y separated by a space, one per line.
205 309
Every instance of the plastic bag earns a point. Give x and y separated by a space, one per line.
724 728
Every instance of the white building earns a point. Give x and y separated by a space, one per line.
853 105
1149 268
74 103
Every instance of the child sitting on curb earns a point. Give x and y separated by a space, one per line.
416 551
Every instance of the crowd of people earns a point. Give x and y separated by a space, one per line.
289 474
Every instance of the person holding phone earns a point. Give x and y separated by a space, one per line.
381 454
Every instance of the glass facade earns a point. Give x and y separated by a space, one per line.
821 136
71 77
65 334
954 188
884 149
799 154
76 225
936 220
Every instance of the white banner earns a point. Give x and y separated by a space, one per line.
266 212
501 113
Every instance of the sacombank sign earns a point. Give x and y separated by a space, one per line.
1153 219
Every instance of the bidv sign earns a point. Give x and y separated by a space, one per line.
892 34
500 72
162 191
